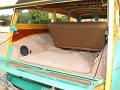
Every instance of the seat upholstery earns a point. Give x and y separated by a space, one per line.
88 36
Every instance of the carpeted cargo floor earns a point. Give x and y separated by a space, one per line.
46 54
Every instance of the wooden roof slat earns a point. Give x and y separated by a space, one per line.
35 3
75 8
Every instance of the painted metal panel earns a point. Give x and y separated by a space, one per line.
116 68
26 84
48 80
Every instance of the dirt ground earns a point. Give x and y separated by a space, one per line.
3 37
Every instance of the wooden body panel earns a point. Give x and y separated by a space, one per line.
25 30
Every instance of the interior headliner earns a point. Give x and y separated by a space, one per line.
83 8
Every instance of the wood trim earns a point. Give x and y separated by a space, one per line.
31 26
101 87
113 23
22 33
9 42
35 3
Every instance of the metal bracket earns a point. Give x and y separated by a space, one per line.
13 28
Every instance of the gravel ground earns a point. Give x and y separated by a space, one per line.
3 37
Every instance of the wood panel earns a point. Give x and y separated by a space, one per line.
25 32
31 26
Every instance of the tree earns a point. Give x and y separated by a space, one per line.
6 19
35 17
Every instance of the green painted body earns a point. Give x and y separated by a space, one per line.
116 68
32 73
13 28
26 84
10 48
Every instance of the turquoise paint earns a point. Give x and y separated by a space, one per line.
13 28
52 81
66 85
26 84
10 48
86 78
43 69
3 59
97 81
116 68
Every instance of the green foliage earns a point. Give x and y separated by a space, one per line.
6 19
58 20
62 19
34 17
38 17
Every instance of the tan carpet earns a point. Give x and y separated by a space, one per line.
46 54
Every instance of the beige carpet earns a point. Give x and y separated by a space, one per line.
46 54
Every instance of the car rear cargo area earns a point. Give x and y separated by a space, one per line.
45 53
